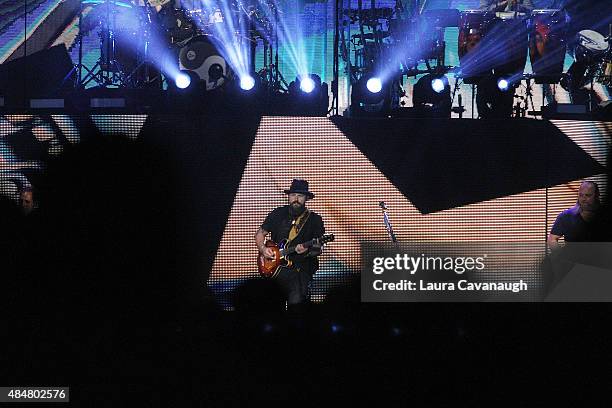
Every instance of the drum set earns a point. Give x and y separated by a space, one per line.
592 61
124 31
490 45
133 36
497 44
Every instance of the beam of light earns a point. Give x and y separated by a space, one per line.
247 82
506 82
307 85
415 46
584 17
496 49
290 35
437 84
182 80
229 36
157 53
374 84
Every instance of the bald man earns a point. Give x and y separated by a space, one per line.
577 224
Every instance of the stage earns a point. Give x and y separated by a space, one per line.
444 181
143 143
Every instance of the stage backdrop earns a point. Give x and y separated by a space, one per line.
52 22
428 174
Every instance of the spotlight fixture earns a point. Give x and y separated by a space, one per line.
186 81
503 84
494 98
431 97
369 95
182 80
244 93
308 96
247 82
185 89
438 85
307 84
374 84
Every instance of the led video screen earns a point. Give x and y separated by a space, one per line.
350 179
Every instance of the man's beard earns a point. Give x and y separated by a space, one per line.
296 210
588 207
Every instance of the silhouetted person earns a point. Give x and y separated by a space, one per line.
26 200
100 273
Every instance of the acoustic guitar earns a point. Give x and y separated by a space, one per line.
269 268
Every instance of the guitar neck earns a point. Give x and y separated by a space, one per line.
290 250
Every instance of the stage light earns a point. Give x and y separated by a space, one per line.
245 94
247 82
370 96
185 82
336 328
431 96
437 84
503 84
374 85
182 80
494 98
307 85
308 96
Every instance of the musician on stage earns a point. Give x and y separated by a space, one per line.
297 224
579 223
524 6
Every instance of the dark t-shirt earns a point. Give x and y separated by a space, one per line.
278 223
571 226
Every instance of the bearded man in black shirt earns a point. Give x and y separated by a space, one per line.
580 222
296 224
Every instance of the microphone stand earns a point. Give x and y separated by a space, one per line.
388 226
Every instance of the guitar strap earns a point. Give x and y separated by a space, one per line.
297 226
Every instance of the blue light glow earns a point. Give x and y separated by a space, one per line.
225 27
374 85
503 84
182 80
437 85
247 82
307 85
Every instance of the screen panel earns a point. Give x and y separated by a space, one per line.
348 188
